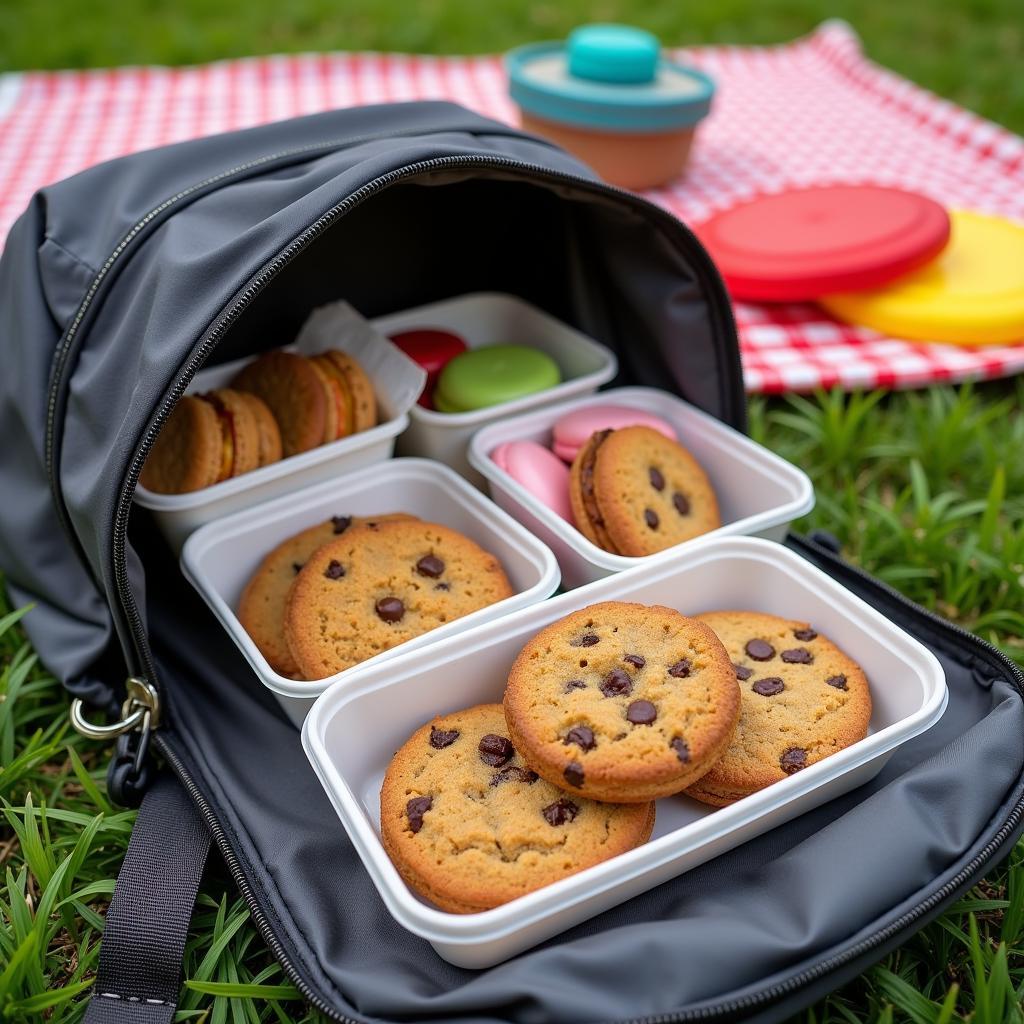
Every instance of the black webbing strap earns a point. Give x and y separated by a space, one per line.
144 938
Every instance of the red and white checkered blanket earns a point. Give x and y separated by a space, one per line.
811 111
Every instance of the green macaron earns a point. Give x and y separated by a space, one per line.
483 377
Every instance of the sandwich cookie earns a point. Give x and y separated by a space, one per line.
208 439
575 429
537 471
351 393
296 394
483 377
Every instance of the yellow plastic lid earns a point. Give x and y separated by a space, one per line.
971 294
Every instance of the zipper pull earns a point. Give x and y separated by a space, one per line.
129 773
140 711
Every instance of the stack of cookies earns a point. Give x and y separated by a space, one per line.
280 404
620 476
347 589
605 711
634 492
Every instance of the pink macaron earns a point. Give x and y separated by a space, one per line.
574 429
534 468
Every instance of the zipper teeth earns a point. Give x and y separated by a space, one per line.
140 659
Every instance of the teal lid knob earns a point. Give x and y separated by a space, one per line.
613 53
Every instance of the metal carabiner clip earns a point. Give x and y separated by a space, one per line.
140 710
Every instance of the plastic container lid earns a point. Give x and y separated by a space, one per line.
608 77
973 294
804 243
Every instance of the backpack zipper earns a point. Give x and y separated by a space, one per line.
65 347
724 1008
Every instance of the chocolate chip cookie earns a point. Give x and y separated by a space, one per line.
374 588
262 605
470 826
802 699
635 491
622 702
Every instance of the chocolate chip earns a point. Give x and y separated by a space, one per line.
340 523
760 650
496 750
635 660
513 773
805 634
681 749
587 640
582 736
430 565
390 609
441 586
560 812
657 480
742 672
798 656
769 686
335 570
441 738
681 669
641 712
681 503
839 682
573 774
651 518
416 808
616 683
296 567
793 760
575 684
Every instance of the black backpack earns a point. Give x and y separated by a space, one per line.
118 284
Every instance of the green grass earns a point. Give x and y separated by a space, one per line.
926 490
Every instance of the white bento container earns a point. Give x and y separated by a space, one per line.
219 558
759 493
397 381
492 318
353 730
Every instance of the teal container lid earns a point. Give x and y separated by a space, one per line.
608 77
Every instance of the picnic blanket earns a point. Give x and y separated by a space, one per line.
807 112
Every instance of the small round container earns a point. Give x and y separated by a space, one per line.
608 96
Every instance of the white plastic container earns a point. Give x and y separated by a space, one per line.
759 493
219 558
397 381
492 318
353 730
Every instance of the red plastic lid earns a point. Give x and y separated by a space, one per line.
805 243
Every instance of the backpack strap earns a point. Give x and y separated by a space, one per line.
143 944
